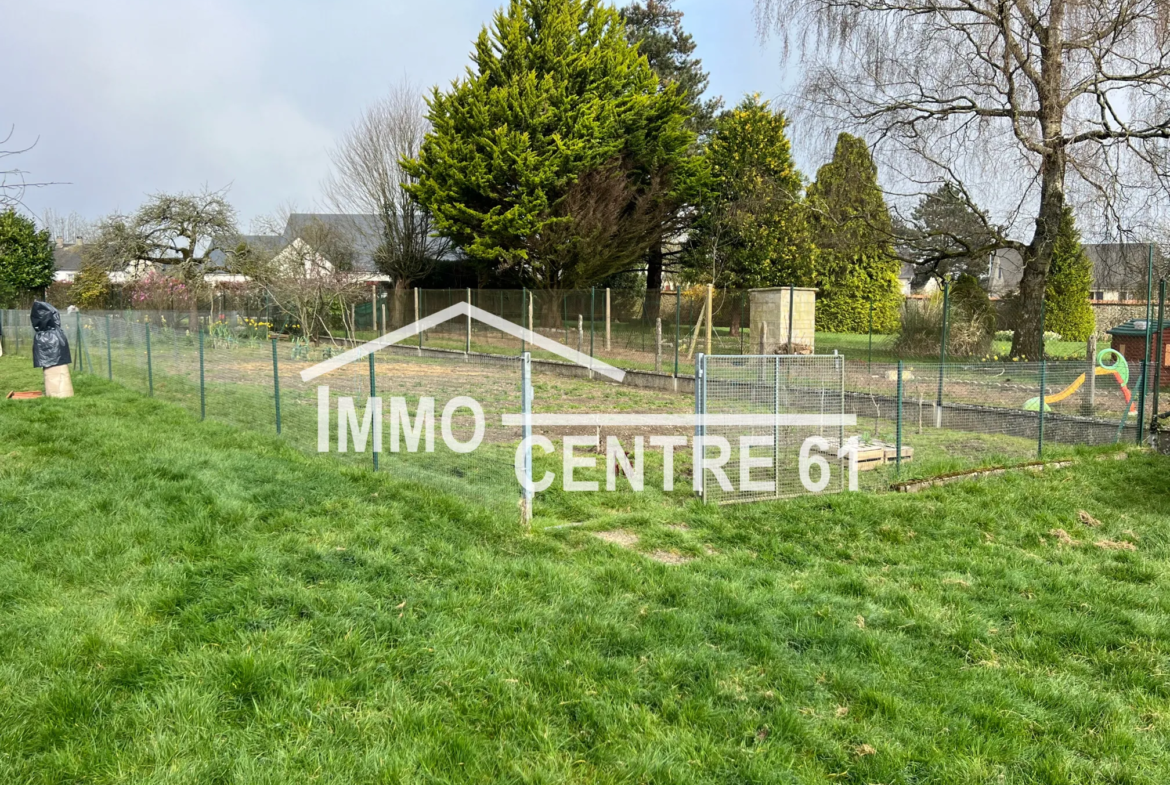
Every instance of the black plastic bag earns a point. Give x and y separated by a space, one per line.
50 346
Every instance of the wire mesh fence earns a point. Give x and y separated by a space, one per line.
752 416
771 426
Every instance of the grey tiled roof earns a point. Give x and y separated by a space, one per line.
68 259
362 230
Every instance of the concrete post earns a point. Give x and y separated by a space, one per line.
763 338
658 345
607 318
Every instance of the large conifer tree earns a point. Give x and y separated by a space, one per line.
656 28
852 230
555 156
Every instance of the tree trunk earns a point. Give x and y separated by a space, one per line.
398 299
1028 342
652 307
550 303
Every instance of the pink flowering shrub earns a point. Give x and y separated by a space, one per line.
160 292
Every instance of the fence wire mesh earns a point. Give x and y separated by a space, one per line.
909 421
768 423
228 375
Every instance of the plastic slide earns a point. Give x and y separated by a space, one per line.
1119 369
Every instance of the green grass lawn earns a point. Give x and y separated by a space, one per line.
856 347
187 602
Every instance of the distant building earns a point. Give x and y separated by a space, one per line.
1119 271
906 277
1004 271
67 259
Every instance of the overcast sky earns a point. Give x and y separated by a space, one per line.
128 97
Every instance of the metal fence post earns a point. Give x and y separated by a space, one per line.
202 381
1141 424
526 437
276 384
870 368
467 343
898 437
942 357
776 423
109 353
710 313
149 363
791 309
1043 380
700 450
523 310
677 325
1160 356
80 356
373 394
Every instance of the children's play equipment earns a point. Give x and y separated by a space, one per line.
1118 368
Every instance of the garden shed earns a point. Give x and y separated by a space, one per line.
1129 339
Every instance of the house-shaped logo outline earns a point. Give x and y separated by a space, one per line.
463 309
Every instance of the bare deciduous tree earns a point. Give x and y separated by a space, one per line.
187 235
179 232
369 179
69 227
1042 100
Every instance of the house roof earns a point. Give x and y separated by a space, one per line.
68 258
1136 328
1121 266
1116 266
362 231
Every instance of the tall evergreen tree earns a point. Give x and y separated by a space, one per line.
852 230
1070 279
26 256
751 229
655 26
949 237
554 158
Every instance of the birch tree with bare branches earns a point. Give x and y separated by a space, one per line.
1041 102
